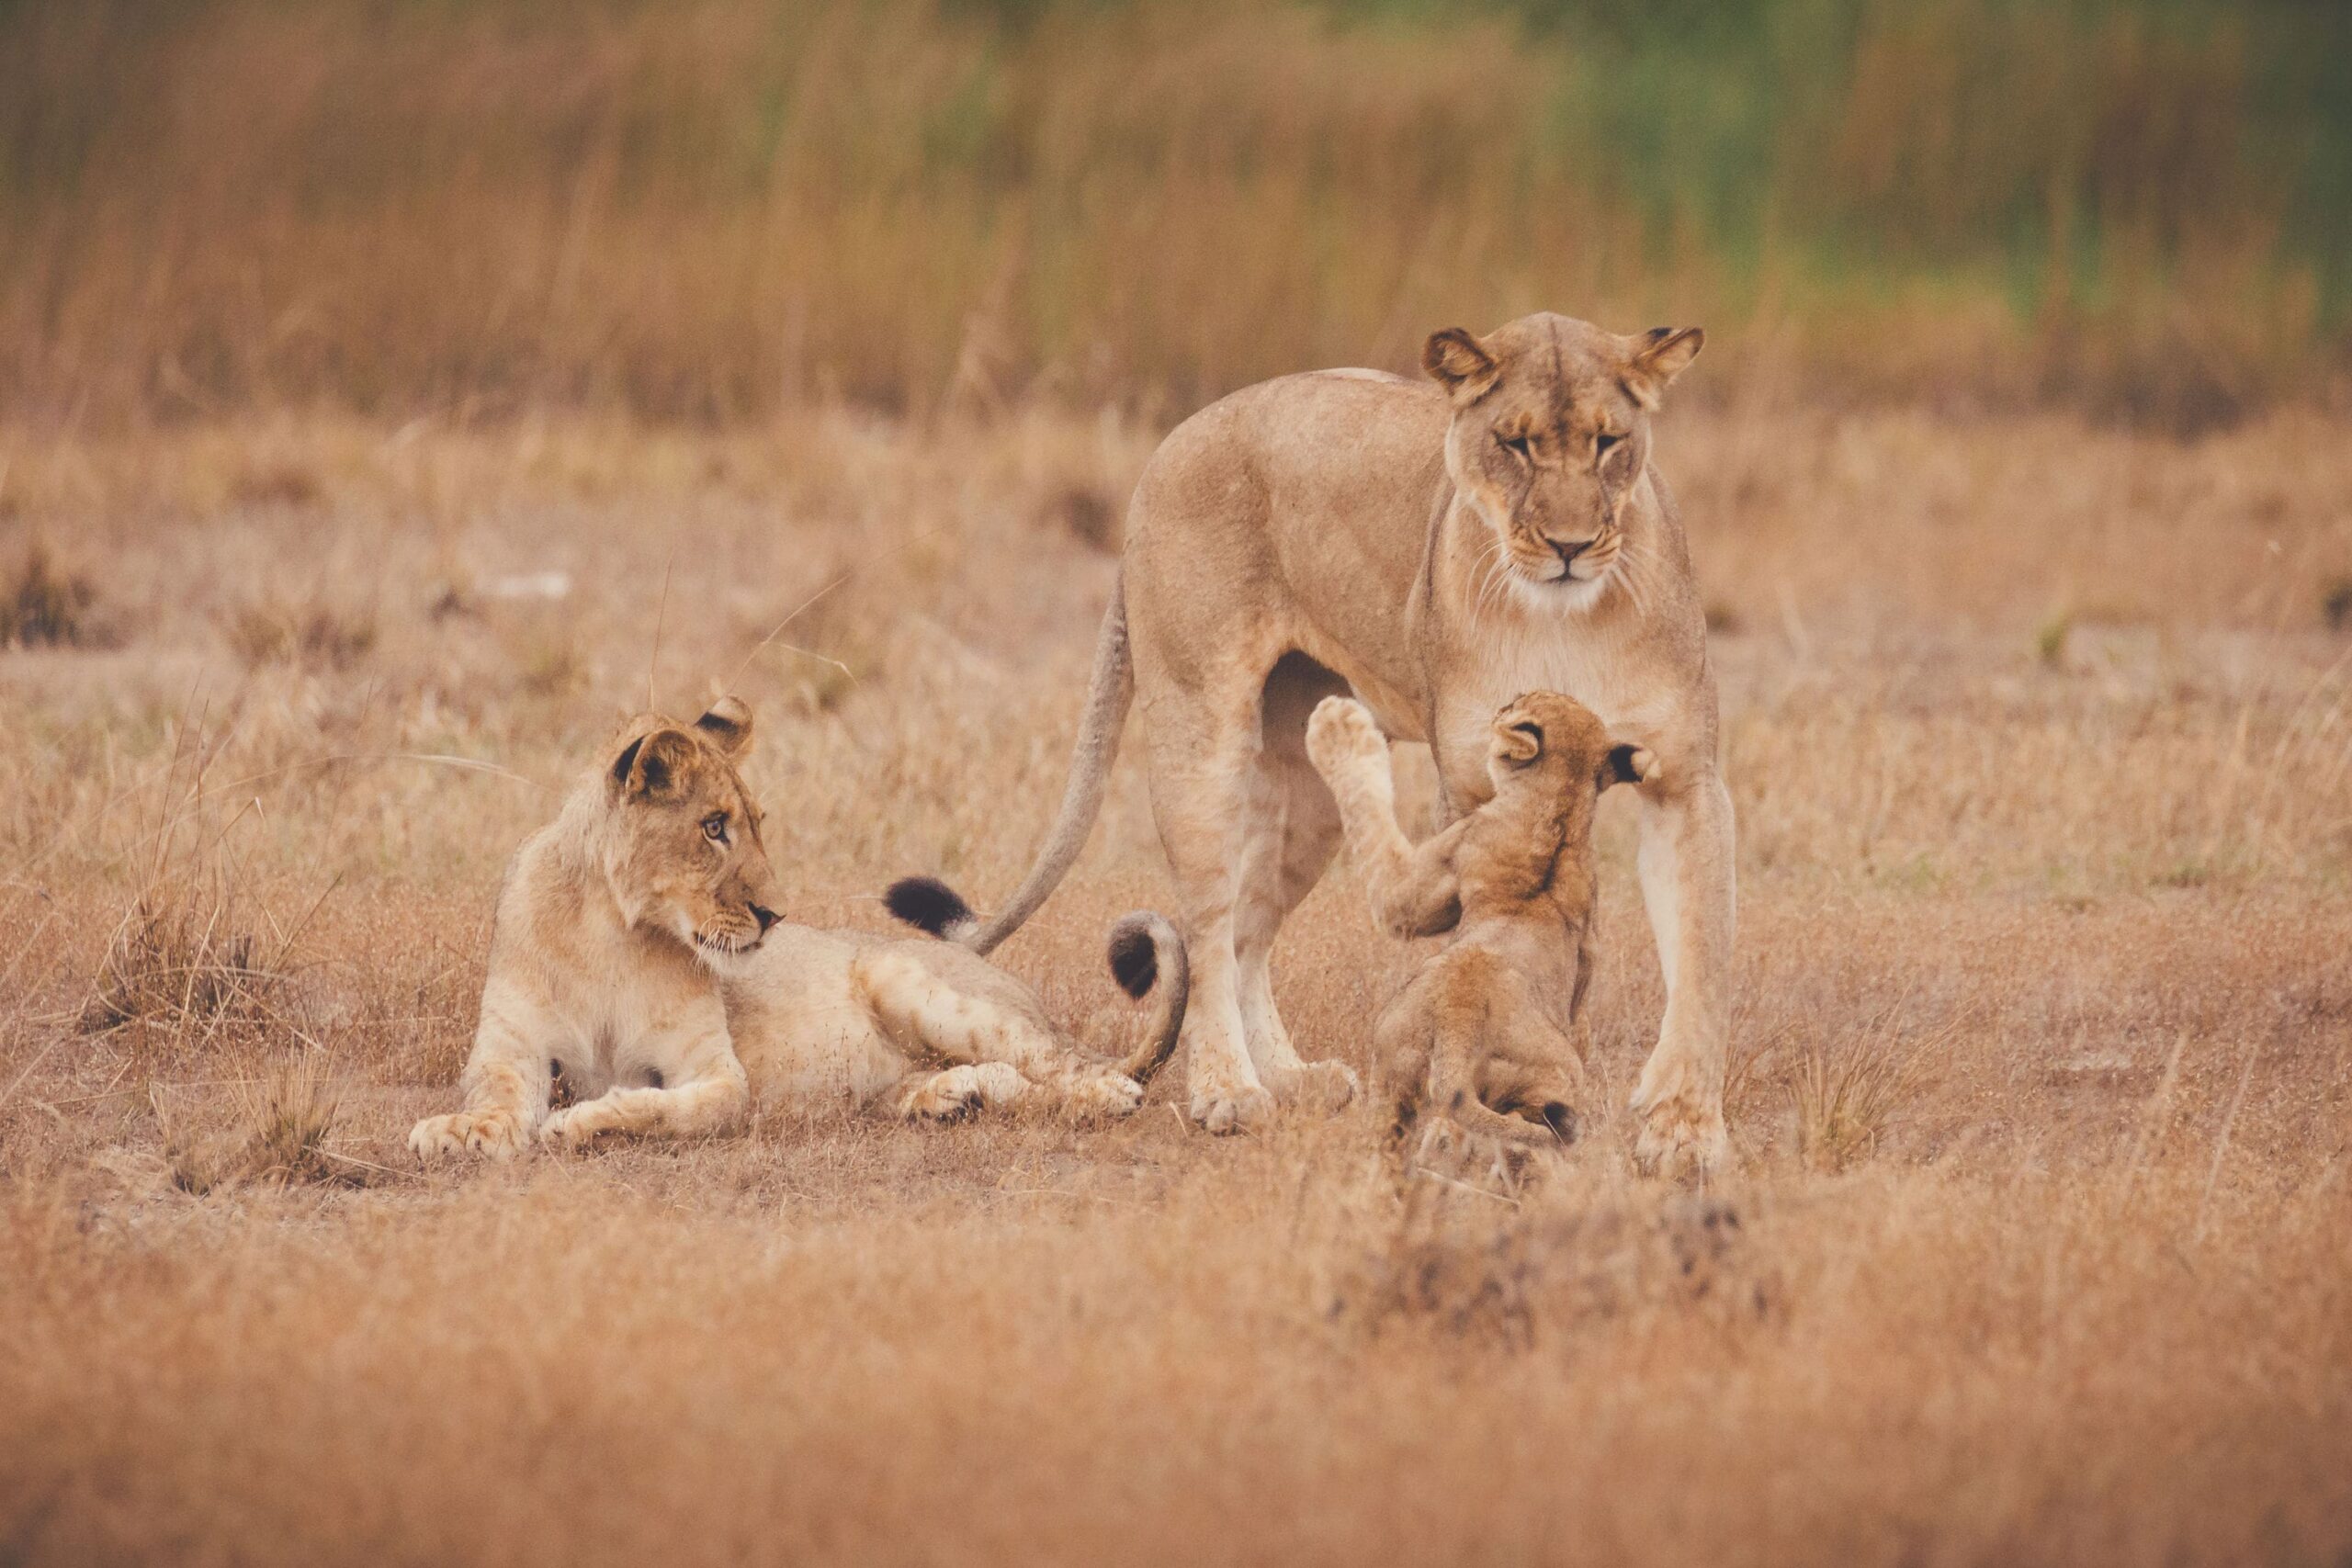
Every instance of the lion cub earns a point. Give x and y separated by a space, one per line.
638 958
1485 1041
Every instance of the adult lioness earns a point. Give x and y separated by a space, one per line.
1436 549
637 954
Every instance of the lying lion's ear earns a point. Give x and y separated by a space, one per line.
1460 363
654 767
1626 764
728 725
1659 355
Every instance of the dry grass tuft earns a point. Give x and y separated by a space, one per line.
1847 1096
45 604
312 634
280 1124
1524 1274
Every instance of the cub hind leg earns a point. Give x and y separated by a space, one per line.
930 1017
958 1092
1478 1040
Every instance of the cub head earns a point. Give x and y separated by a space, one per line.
682 847
1548 741
1551 433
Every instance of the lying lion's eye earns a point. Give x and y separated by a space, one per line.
1515 444
1604 443
714 827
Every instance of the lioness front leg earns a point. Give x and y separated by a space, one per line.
506 1083
1413 890
926 1016
1688 872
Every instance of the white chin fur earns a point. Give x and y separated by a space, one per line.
1565 592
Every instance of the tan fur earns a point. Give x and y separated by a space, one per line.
1489 1035
636 953
1325 533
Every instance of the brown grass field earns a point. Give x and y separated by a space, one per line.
2038 1248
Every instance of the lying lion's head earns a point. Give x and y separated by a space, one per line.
682 848
1547 741
1551 433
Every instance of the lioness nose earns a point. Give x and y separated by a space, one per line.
1569 549
765 917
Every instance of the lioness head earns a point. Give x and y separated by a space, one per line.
1554 740
1551 433
682 849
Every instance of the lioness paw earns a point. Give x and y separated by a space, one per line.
1241 1109
1339 732
1647 768
494 1134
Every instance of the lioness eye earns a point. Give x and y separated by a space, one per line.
1603 444
714 827
1517 445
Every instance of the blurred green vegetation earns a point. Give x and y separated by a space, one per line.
702 209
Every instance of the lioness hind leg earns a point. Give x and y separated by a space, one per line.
1291 829
927 1016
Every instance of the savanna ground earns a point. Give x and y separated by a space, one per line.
2038 1246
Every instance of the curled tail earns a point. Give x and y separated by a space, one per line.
938 909
1145 950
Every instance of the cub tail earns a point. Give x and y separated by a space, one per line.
1148 955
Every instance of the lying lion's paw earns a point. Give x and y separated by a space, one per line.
571 1130
1340 730
1107 1094
1647 768
494 1134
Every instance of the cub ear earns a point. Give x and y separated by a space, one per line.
728 725
1522 743
1627 764
1659 355
1461 363
654 767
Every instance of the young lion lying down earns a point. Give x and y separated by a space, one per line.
1485 1041
637 957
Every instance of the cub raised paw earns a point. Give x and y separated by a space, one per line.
494 1134
1340 732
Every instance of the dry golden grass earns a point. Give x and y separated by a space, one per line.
2038 1248
704 210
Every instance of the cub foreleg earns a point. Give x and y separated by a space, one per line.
1413 891
506 1082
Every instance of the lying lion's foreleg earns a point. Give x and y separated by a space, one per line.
704 1092
506 1082
1413 890
929 1018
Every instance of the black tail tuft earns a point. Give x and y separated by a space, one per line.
927 903
1134 961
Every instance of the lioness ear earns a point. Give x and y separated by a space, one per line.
1459 362
1522 743
653 766
1626 764
728 725
1659 355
